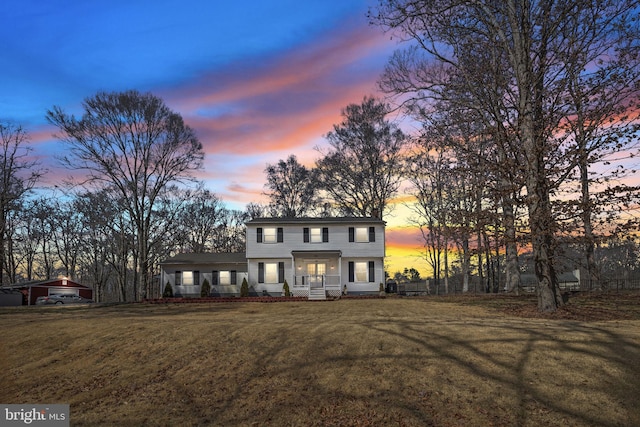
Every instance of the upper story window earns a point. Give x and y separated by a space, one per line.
362 234
270 235
315 234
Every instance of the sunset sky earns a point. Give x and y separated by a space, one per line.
257 80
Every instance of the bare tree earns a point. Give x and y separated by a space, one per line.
601 120
67 233
362 169
291 188
136 144
19 174
532 44
97 217
199 214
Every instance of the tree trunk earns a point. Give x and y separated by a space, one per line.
512 268
589 236
466 264
542 237
446 269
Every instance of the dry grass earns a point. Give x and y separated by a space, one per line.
394 361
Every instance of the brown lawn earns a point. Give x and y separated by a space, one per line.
441 361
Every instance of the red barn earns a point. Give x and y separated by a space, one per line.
61 286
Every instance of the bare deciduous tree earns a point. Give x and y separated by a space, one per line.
531 47
362 170
19 174
291 188
134 143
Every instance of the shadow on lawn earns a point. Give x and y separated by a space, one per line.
520 374
557 367
401 368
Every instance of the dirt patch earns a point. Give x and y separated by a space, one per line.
397 361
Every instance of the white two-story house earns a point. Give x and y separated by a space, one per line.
318 257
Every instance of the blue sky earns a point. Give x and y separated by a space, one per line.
257 80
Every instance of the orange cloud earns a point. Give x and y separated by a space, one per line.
286 102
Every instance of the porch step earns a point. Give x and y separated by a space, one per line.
317 294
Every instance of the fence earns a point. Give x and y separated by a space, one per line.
455 286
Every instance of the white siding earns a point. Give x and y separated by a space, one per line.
293 241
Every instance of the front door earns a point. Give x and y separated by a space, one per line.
316 272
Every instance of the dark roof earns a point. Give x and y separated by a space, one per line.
208 258
308 220
50 282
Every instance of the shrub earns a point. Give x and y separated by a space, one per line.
168 291
205 289
285 289
381 289
244 288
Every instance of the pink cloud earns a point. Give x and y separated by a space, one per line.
284 102
403 237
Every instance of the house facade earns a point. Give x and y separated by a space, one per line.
187 272
318 258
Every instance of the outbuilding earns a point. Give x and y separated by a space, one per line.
43 288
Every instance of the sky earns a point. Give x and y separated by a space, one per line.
257 80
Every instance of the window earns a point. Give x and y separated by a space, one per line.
187 278
225 278
362 234
178 279
361 271
316 235
270 235
271 272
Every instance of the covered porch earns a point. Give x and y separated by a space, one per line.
317 274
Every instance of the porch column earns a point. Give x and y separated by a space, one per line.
340 270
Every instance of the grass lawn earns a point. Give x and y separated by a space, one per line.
461 361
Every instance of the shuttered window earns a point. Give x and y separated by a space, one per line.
270 235
271 272
362 271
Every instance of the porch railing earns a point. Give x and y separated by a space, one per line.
330 283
